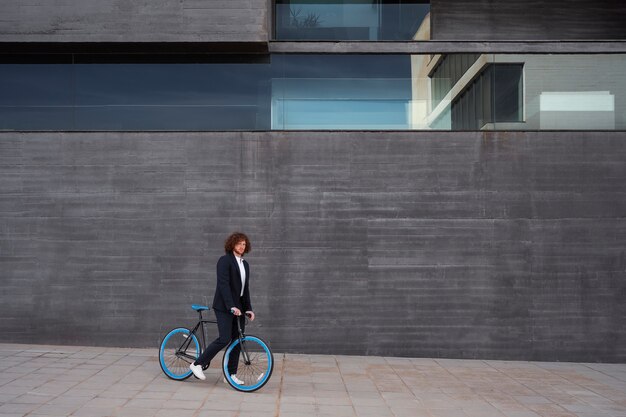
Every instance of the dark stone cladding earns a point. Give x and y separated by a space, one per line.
528 20
507 245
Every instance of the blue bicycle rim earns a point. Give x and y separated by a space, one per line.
163 366
269 364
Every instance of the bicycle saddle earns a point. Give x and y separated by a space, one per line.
198 307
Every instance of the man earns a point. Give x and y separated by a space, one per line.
232 297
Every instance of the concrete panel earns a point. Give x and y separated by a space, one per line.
133 21
446 244
411 47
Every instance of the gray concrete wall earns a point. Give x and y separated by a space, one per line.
467 245
526 20
248 20
134 21
439 47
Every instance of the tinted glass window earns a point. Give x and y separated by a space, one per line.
352 20
318 91
172 96
34 97
341 91
507 102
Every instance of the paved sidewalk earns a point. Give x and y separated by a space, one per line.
93 382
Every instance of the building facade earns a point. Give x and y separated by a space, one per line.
418 178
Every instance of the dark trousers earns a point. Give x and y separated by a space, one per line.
227 327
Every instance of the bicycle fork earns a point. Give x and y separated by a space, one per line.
244 351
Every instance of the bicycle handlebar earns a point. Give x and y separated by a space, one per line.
242 313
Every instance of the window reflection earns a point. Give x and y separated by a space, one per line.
572 92
222 96
34 97
341 92
322 91
371 20
494 95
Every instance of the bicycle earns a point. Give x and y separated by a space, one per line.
180 347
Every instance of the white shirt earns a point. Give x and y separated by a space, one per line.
242 272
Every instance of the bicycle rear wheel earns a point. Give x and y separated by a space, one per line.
255 363
178 350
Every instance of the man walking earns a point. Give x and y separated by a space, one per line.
232 297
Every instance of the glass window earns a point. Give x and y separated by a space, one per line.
121 96
321 91
571 91
36 96
341 92
507 100
218 96
372 20
448 71
496 91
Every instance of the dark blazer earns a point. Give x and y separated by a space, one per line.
227 293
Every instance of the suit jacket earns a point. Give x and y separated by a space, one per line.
227 293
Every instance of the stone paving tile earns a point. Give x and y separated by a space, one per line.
332 401
29 398
113 394
411 412
367 411
298 398
137 412
5 398
255 414
80 391
96 412
56 410
336 410
64 400
152 395
146 403
215 413
15 408
309 409
221 407
101 382
179 413
448 412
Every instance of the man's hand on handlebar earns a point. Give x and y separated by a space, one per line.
237 312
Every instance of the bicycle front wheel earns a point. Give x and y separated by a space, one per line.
255 363
178 350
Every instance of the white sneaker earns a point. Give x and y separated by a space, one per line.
197 371
235 380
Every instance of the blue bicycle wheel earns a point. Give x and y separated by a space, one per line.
255 363
178 350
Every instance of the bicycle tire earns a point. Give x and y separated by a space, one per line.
254 374
174 362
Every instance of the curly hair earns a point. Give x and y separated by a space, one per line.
235 238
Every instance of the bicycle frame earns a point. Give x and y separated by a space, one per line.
199 328
181 352
242 344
